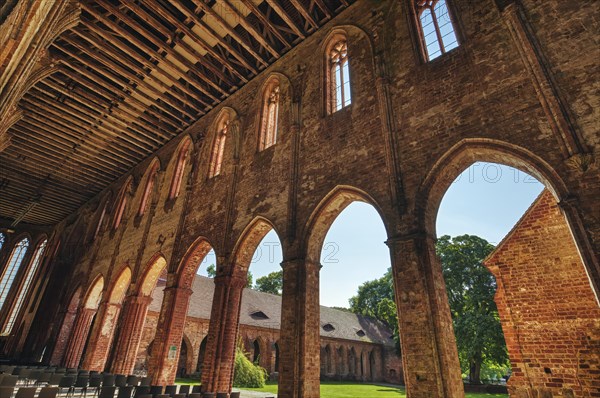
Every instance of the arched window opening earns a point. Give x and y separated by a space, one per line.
268 131
256 355
14 263
35 262
338 75
149 188
276 357
435 27
121 204
328 365
201 355
99 226
216 158
179 169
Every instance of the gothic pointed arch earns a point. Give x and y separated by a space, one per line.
327 211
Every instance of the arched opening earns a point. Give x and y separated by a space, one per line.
97 351
328 367
258 256
372 366
352 363
84 321
183 356
526 241
348 238
201 355
276 361
256 351
60 345
171 312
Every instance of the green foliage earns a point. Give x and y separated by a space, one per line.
272 283
211 271
245 373
471 289
249 283
376 299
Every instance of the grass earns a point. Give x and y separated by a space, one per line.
349 390
353 390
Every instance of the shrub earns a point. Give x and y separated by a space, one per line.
247 374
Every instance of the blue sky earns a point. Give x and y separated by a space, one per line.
486 200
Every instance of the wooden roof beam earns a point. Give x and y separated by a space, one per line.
54 123
81 76
304 12
112 49
115 104
100 121
209 11
43 148
89 101
141 12
286 18
262 18
111 74
124 74
194 37
147 64
157 42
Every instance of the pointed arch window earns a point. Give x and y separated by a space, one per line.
179 169
148 189
121 204
436 28
216 158
338 74
101 219
268 130
33 267
14 263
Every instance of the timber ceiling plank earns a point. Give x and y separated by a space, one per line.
131 76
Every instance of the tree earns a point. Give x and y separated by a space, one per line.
471 289
211 271
272 283
376 299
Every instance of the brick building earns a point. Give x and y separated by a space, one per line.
549 314
137 136
353 347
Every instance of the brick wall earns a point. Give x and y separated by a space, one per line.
549 314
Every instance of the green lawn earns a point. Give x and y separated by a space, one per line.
353 390
350 390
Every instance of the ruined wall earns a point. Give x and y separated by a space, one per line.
410 121
549 314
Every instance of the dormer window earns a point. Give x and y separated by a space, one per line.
259 315
328 327
361 333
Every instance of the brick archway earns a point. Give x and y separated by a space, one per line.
104 327
173 313
65 330
134 312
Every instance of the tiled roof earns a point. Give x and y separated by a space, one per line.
264 310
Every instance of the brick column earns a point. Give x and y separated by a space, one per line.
169 332
429 354
101 337
60 345
217 372
299 361
79 336
128 341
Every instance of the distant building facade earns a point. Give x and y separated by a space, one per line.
353 347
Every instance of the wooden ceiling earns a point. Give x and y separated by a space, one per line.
132 75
